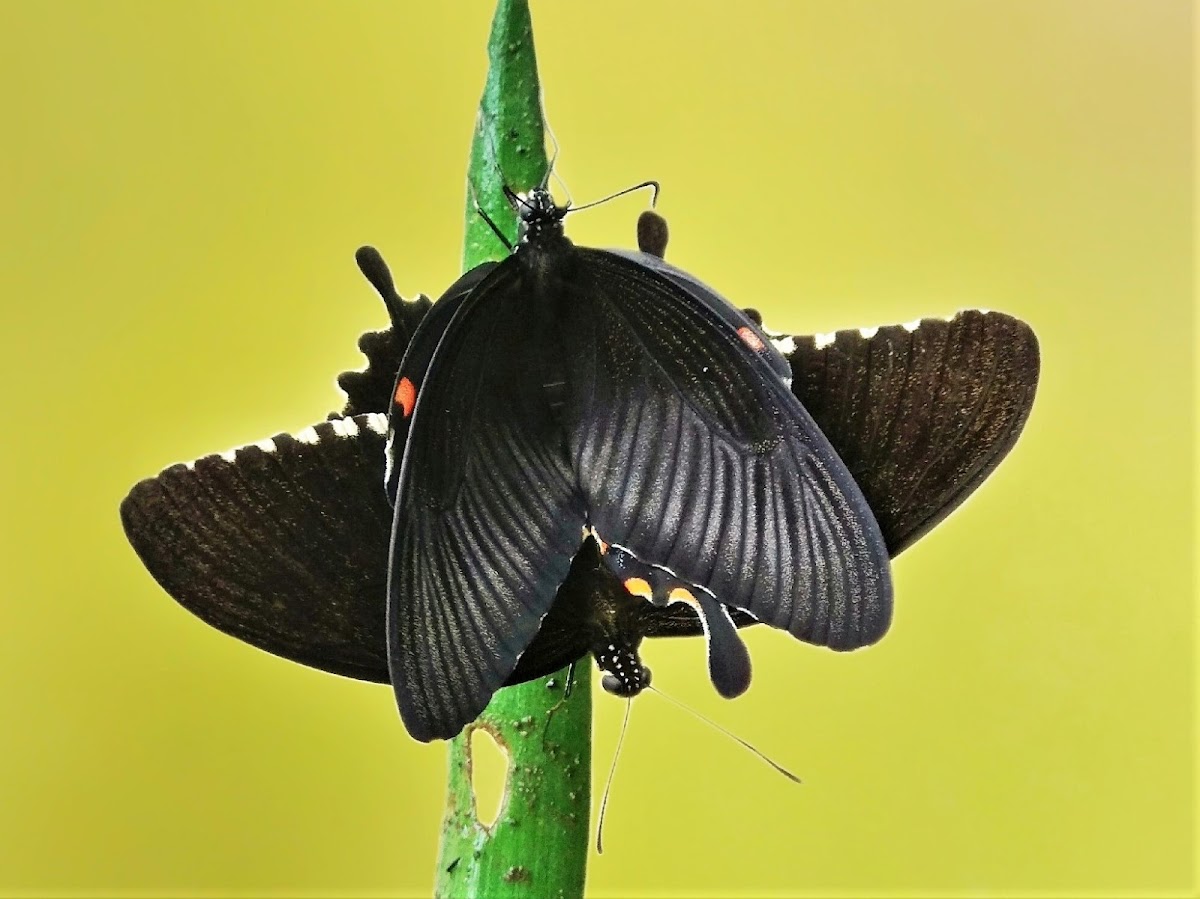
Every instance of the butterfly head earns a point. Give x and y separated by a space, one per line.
540 216
624 673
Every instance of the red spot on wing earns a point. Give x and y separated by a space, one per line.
751 339
406 396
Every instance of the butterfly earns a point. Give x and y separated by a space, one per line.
585 448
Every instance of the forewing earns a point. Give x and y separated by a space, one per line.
282 544
409 374
920 413
693 454
720 308
488 516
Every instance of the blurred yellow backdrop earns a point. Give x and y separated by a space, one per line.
183 187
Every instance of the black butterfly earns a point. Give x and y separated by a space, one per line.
582 423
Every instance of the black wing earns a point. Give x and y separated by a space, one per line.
920 413
316 597
564 636
416 360
282 544
488 515
716 305
693 454
286 549
369 389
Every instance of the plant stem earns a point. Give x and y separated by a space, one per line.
538 844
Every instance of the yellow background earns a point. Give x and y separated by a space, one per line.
183 187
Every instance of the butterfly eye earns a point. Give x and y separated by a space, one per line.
645 677
611 683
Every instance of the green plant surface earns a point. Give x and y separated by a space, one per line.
538 844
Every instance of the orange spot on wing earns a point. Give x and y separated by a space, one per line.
406 396
679 594
751 339
639 587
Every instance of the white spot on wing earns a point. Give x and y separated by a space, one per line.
912 325
309 435
868 333
267 445
344 427
824 340
785 345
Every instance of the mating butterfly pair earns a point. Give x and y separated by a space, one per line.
585 448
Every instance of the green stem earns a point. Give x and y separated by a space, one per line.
538 844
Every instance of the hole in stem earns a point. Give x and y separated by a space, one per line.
489 775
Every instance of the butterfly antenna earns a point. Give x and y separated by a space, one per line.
608 783
653 185
566 190
554 154
552 168
782 770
